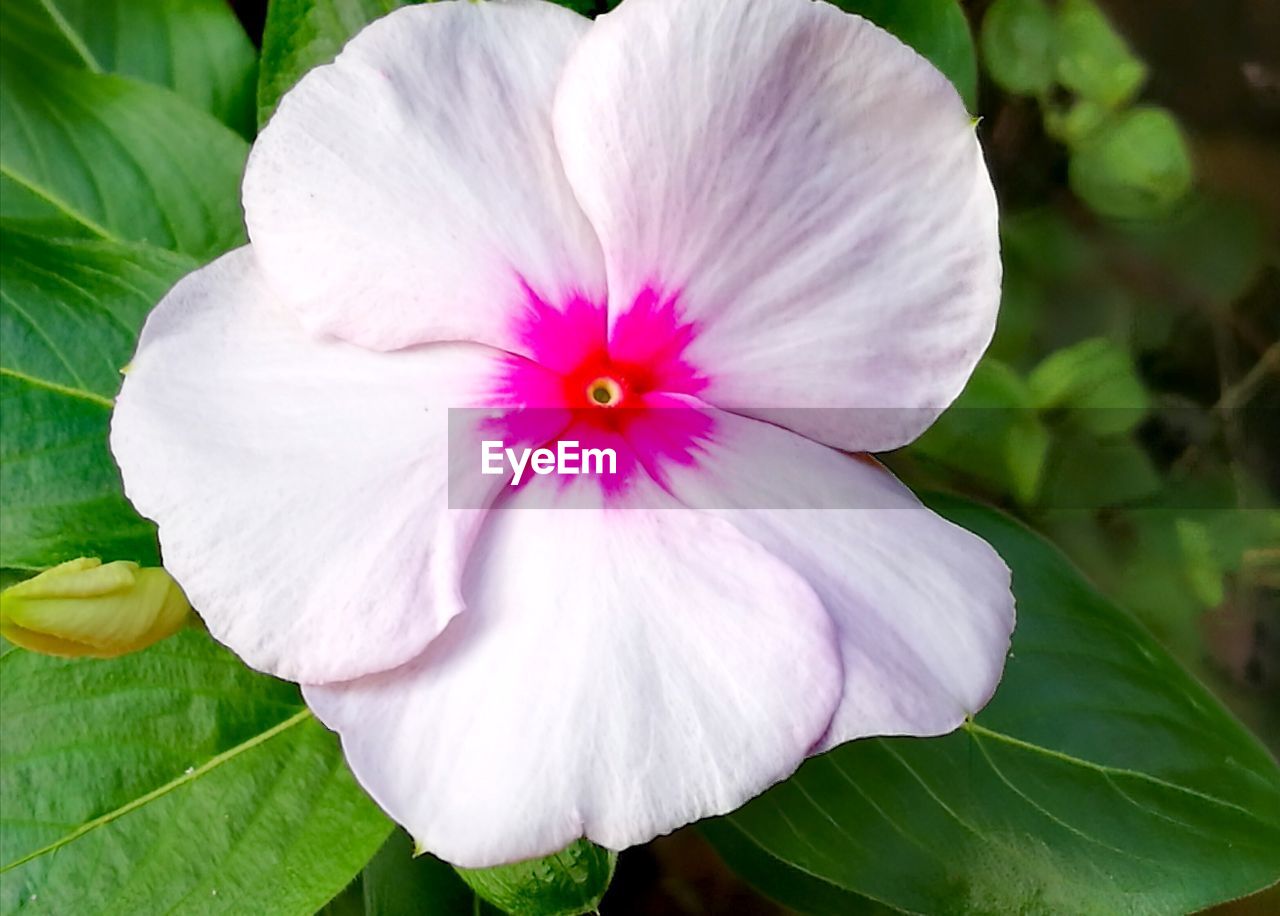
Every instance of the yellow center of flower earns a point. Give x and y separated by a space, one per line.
604 391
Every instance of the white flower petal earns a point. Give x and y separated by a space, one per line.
404 192
811 187
618 673
923 607
299 484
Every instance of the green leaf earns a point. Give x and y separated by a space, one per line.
782 880
1216 246
396 883
1102 778
302 34
1140 554
72 308
195 47
568 883
1076 124
937 29
1136 166
1022 297
1026 449
172 779
102 163
69 315
1203 569
1097 381
1046 244
121 160
992 433
1086 472
1018 38
1093 60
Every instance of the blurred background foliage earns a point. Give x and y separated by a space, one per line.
1136 152
1135 372
1128 401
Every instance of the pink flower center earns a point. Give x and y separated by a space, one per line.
629 387
598 381
638 363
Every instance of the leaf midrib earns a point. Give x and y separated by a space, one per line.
981 730
57 388
72 36
159 792
61 205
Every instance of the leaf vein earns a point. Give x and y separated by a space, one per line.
159 792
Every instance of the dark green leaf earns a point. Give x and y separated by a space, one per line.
1101 779
1140 555
396 883
116 158
171 780
1022 297
937 29
1216 246
568 883
1047 245
781 880
1018 38
1085 472
69 314
302 34
195 47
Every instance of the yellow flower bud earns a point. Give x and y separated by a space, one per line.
84 608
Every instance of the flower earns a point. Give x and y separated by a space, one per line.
82 608
735 238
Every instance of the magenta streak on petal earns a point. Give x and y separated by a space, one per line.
640 362
650 333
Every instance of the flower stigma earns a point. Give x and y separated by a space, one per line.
605 391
